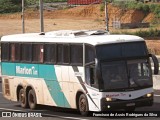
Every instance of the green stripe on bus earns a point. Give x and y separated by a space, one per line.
47 72
8 68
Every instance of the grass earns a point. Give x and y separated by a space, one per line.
146 8
151 33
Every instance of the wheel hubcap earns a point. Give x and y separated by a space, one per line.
22 98
83 105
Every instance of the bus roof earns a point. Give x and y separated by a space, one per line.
70 36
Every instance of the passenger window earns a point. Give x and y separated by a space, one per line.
15 52
26 52
66 53
37 53
5 51
76 54
12 55
91 76
90 54
60 53
50 53
63 54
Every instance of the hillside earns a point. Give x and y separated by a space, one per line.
77 18
87 12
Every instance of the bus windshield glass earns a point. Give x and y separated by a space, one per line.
126 74
121 50
124 65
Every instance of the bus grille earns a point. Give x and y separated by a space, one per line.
7 90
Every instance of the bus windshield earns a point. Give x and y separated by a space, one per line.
121 50
124 65
125 74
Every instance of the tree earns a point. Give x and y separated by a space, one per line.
17 2
7 6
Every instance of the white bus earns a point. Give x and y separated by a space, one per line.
84 70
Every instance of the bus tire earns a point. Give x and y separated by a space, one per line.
130 108
83 105
23 98
32 101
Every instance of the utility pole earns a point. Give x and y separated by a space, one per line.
106 15
22 17
41 16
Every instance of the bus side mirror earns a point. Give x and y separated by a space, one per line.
156 64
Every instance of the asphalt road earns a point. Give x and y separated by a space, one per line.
53 113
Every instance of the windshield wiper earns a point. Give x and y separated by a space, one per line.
90 63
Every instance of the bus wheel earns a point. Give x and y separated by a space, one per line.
32 99
23 98
83 105
130 108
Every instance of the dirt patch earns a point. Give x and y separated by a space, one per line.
132 16
153 46
125 16
149 18
14 26
86 12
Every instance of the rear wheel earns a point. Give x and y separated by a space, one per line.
32 99
83 105
23 98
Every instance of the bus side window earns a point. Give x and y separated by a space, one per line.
63 53
50 53
76 54
15 50
5 51
37 53
87 76
90 54
26 52
66 53
12 52
94 81
91 77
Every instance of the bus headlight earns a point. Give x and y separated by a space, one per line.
148 95
108 99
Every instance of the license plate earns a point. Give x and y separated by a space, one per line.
130 104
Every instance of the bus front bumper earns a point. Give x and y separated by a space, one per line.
123 104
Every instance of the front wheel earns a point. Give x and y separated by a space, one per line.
22 98
83 105
32 99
